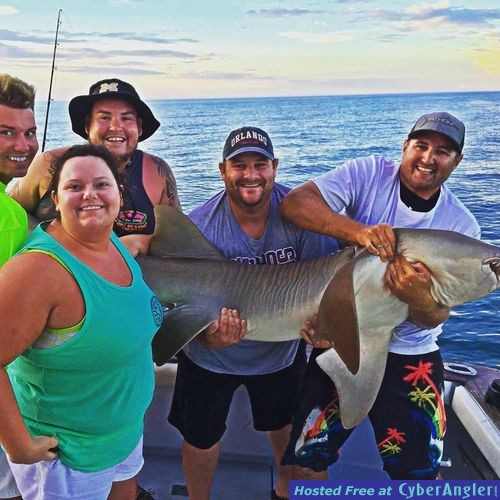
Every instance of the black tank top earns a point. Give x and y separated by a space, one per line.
137 213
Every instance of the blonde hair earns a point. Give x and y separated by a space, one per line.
15 93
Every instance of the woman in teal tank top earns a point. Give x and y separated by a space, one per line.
77 325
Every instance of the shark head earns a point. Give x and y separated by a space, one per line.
463 269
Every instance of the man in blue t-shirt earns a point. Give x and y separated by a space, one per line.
243 223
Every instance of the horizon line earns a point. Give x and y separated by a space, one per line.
305 96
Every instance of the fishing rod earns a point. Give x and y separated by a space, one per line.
51 79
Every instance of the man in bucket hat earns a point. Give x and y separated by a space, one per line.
360 202
113 115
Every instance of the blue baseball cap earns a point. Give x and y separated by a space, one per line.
248 140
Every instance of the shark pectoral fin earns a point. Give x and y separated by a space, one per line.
180 325
358 392
337 321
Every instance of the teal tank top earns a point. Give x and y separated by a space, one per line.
92 391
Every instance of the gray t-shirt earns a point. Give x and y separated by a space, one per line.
281 242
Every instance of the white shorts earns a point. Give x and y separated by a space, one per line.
52 480
8 488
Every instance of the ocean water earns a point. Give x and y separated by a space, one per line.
312 135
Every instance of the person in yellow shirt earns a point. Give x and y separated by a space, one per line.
18 147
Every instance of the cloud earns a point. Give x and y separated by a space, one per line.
113 53
317 38
351 2
139 59
85 37
452 15
127 69
427 17
152 38
426 7
119 3
7 10
281 13
222 75
389 38
15 36
10 53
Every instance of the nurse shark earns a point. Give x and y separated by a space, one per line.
356 312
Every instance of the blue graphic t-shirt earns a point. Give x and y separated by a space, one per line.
281 242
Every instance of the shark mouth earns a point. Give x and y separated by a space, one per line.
494 263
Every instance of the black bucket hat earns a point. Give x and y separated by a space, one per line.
81 106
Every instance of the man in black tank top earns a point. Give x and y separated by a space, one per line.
113 115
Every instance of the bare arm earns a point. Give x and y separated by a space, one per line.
27 300
21 447
169 194
30 188
159 183
306 208
411 283
136 244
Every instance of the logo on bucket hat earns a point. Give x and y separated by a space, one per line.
81 106
248 140
441 122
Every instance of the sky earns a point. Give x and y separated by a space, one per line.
176 49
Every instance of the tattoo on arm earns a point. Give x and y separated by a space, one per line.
166 173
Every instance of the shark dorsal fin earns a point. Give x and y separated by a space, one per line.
176 236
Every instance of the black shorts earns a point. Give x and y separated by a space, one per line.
408 418
201 400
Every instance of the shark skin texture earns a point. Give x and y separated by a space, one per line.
356 313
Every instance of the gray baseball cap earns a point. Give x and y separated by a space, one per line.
441 122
